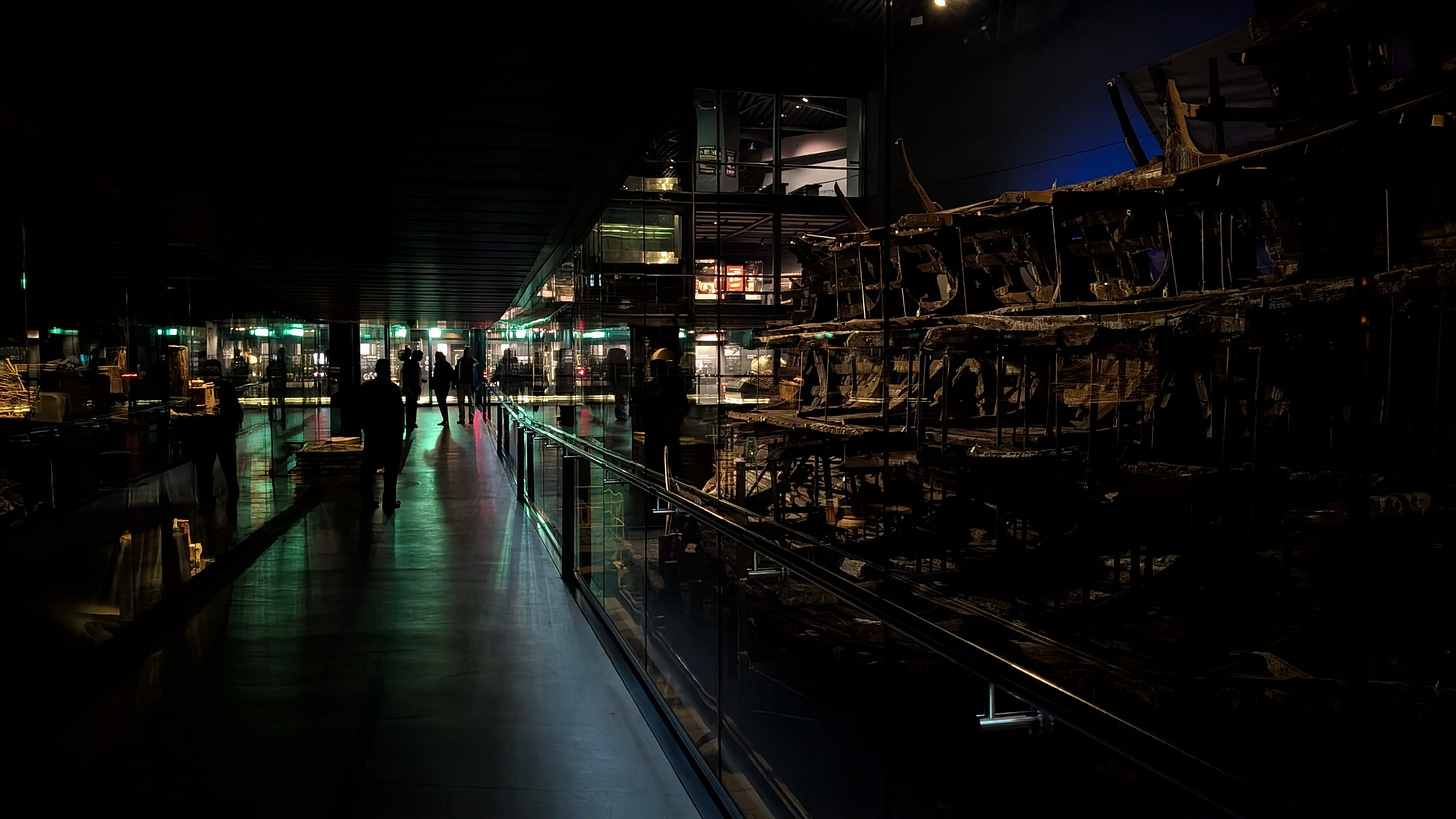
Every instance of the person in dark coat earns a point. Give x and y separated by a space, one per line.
442 376
409 382
618 379
506 370
664 406
277 387
381 417
465 386
215 438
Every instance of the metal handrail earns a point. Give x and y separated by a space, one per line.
1181 767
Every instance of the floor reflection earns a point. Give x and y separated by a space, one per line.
78 579
435 647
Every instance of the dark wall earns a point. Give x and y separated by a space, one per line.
1021 104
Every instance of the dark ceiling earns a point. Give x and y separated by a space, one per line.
415 166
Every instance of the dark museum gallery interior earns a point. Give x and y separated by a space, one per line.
817 408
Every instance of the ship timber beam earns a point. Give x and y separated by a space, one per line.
1073 317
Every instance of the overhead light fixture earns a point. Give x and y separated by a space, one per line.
806 99
940 3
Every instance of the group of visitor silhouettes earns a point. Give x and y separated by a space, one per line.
387 410
462 377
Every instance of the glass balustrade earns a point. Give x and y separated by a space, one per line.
802 685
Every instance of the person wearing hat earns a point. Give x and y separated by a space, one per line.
665 405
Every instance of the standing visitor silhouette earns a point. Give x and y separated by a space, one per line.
409 383
442 375
465 386
381 417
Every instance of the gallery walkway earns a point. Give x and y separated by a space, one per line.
431 663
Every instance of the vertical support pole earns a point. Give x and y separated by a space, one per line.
922 361
1202 252
1255 416
1121 395
778 502
909 394
740 482
945 379
1095 405
1025 397
520 464
828 479
1051 396
568 515
1437 490
1385 413
1172 268
828 378
1055 410
584 488
1000 365
344 366
1228 378
531 466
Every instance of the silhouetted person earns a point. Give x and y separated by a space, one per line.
618 371
409 383
508 380
215 437
381 417
664 406
441 377
465 386
277 384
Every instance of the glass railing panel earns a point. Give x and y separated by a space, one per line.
937 760
547 479
802 700
601 526
780 641
685 563
552 471
624 579
956 745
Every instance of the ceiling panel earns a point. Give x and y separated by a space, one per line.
418 165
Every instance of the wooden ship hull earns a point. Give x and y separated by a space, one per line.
1185 430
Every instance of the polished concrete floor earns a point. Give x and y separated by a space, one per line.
428 663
